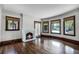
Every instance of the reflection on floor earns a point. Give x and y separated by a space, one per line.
41 46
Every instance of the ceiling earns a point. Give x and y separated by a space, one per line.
41 10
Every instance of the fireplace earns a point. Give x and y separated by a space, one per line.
29 35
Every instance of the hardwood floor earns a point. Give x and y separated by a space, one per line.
41 46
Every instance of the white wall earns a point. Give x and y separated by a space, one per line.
9 35
71 13
28 25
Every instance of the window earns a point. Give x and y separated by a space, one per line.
56 26
69 26
45 26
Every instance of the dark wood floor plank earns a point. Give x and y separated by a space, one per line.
41 46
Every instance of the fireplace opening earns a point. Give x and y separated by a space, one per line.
29 35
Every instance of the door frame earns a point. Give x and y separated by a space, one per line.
37 22
40 25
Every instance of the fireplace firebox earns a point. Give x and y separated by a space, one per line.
29 35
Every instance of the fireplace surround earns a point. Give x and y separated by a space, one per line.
28 35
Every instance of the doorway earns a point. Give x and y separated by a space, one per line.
37 28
